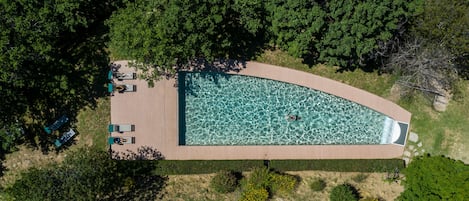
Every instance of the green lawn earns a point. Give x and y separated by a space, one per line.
92 124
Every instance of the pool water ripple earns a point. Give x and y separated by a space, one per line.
223 109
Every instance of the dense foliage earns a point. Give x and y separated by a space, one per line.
446 23
52 58
344 192
167 35
163 34
436 178
88 174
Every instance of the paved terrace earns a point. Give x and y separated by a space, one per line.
154 112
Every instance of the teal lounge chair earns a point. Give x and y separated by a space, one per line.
110 87
56 125
121 140
64 138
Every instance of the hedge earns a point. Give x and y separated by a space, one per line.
173 167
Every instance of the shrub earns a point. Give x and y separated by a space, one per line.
344 192
317 184
253 193
260 178
359 178
282 184
224 182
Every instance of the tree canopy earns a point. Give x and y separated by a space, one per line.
53 57
163 35
89 174
436 178
445 23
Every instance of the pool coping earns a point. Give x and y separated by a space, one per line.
154 112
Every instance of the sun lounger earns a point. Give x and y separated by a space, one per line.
64 138
110 75
121 88
121 76
125 76
56 125
110 88
121 140
129 87
121 128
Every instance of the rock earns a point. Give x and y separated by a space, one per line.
411 147
419 144
406 153
423 151
416 153
440 103
413 137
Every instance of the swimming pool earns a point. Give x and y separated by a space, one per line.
224 109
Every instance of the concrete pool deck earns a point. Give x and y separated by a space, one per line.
154 112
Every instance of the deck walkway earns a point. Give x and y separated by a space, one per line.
154 112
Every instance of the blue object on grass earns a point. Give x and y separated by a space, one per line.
110 88
57 124
64 138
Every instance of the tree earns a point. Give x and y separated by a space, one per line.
53 59
88 174
355 29
446 24
296 25
436 178
425 67
160 36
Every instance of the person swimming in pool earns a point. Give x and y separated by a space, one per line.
293 117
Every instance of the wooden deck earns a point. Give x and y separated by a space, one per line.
154 112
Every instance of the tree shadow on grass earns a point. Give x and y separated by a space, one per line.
141 182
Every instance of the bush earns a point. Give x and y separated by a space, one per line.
224 182
282 184
317 184
260 178
344 192
359 178
253 193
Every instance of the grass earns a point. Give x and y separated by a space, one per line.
369 81
92 131
92 124
444 133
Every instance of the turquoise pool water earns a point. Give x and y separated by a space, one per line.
222 109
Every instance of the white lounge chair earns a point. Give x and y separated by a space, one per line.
125 76
121 128
121 88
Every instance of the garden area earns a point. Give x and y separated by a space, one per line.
56 55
